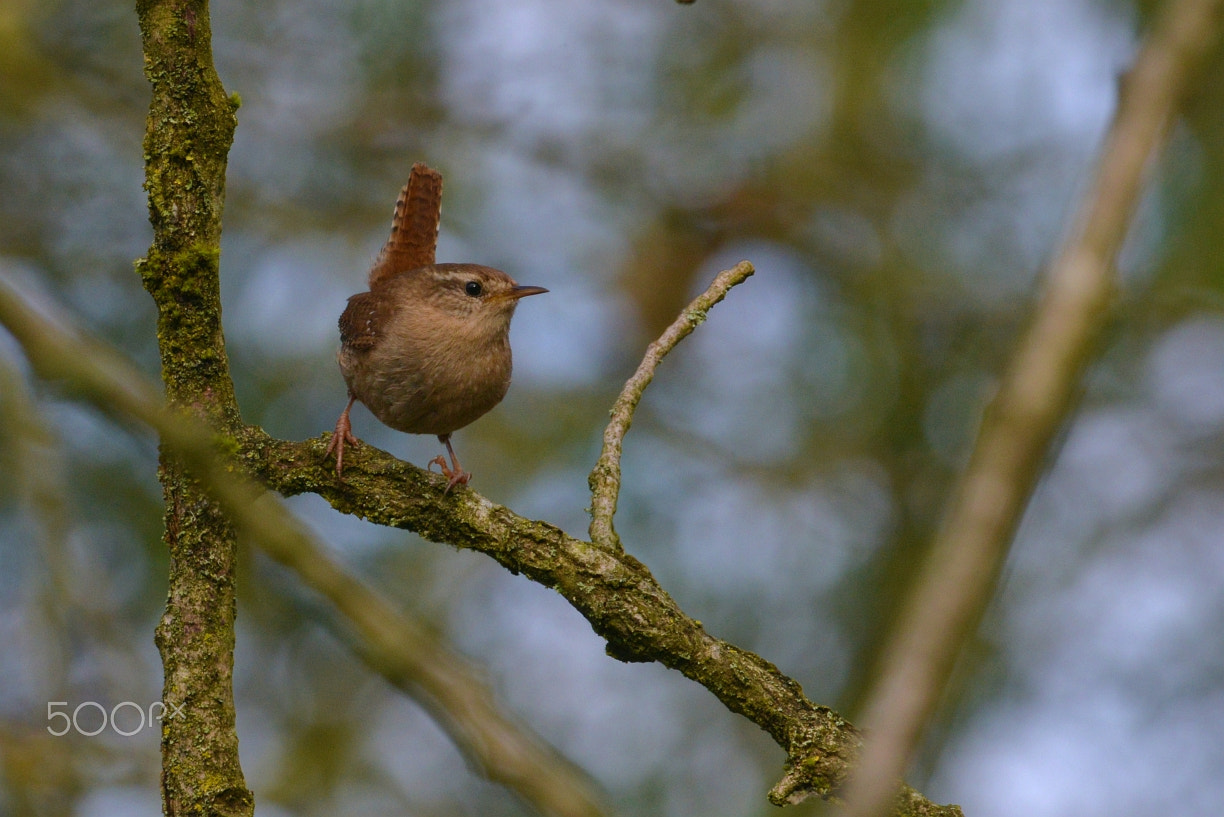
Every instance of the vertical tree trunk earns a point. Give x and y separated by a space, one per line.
190 128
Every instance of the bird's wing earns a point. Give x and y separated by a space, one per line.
363 320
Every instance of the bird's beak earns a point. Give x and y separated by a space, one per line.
517 292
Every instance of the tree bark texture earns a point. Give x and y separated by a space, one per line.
189 131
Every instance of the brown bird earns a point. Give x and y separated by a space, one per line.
427 348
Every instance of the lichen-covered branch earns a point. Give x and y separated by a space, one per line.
1034 399
614 591
189 130
605 477
188 134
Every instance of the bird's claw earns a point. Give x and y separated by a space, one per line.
342 435
455 476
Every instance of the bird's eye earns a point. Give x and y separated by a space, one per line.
473 288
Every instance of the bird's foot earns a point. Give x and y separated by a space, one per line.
342 435
454 476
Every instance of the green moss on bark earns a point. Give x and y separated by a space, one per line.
189 132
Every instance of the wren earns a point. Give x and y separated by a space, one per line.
427 348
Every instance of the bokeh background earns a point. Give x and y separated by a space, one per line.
898 172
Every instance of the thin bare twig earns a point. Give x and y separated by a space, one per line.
392 643
605 477
1035 398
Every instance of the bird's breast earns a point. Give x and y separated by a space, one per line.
424 378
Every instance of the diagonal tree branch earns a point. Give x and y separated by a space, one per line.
412 658
614 591
1035 398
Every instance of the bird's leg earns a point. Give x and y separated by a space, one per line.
343 434
455 473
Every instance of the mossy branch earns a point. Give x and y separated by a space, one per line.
614 591
189 130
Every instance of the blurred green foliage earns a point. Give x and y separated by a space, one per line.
897 172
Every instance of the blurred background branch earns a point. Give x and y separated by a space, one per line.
1035 397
